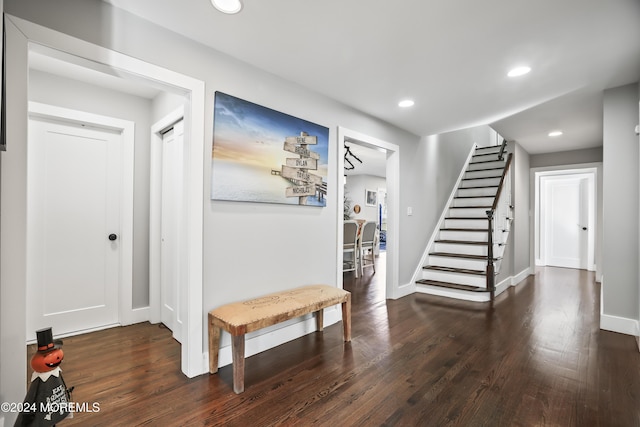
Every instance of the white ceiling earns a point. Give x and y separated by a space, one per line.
450 56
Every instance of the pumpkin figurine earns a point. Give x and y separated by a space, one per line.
48 400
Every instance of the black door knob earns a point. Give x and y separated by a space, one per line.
584 228
113 237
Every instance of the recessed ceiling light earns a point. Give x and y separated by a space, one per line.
519 71
227 6
555 133
406 103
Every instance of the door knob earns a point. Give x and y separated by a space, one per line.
113 237
584 228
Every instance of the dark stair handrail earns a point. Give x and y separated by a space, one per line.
491 278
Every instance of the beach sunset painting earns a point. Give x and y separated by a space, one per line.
263 155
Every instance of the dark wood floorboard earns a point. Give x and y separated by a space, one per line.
535 357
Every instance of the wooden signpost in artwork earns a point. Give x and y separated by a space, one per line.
297 170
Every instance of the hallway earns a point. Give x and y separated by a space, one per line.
537 357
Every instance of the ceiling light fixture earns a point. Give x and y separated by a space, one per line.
519 71
227 6
555 133
405 103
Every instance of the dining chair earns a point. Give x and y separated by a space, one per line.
350 246
367 245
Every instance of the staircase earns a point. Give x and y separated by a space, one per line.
465 256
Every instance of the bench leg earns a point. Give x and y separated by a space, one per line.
346 319
214 346
320 320
237 352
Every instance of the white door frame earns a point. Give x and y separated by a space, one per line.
19 35
126 129
536 174
547 180
393 290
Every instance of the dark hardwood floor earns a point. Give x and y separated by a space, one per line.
536 357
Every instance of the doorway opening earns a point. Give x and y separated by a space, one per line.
566 217
167 222
23 37
365 191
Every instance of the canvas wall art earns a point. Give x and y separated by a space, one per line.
263 155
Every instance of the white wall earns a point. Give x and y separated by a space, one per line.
520 228
355 190
573 157
620 252
249 248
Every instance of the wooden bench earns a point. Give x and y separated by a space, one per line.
247 316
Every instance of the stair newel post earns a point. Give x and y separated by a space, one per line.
491 278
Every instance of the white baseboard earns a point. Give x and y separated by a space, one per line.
268 338
618 324
520 276
404 290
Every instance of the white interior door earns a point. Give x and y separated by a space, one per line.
566 221
73 227
171 228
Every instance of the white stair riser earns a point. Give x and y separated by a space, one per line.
469 212
482 201
457 248
466 223
463 263
479 182
472 236
471 192
460 279
485 165
483 173
454 262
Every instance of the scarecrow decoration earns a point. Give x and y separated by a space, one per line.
48 400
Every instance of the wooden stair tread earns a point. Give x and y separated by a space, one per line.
481 177
478 186
466 217
486 161
462 242
483 170
455 255
472 197
451 285
455 270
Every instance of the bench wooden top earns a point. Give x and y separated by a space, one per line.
246 316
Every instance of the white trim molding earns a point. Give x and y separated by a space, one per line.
618 324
